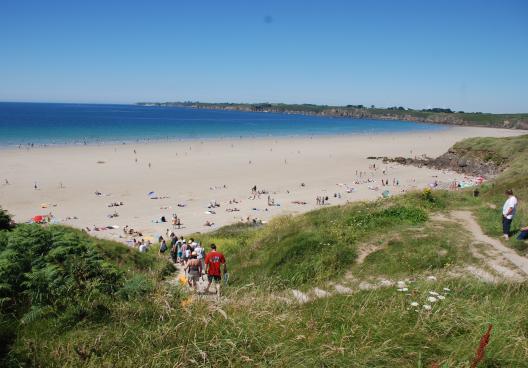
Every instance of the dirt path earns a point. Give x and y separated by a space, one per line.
505 263
466 217
200 289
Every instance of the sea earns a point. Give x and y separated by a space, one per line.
70 124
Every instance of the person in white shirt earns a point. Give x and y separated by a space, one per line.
508 211
200 253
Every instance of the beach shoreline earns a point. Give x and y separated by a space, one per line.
194 173
172 140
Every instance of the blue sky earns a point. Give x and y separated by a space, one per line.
467 55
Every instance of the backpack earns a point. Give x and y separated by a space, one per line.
163 247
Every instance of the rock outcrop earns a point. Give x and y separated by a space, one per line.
474 163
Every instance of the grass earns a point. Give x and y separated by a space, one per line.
149 322
416 251
366 329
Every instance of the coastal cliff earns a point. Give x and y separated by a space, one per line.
474 156
434 116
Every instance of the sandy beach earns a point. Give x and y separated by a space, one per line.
186 176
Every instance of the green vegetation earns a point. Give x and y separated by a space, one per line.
512 154
434 115
71 300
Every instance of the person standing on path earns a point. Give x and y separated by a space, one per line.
508 211
213 260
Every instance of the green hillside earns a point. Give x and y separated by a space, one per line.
432 115
71 300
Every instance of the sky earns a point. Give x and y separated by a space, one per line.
462 54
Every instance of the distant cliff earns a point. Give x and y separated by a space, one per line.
435 115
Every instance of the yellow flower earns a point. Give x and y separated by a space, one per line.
183 280
185 303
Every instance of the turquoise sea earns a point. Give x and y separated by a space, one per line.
54 123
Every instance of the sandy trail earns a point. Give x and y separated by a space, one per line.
466 217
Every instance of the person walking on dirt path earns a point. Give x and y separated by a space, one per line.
213 262
508 211
194 270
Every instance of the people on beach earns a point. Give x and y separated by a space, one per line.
508 212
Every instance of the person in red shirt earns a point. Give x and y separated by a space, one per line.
213 260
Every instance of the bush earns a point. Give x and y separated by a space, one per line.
6 222
427 195
135 287
52 267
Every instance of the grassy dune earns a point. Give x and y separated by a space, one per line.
127 314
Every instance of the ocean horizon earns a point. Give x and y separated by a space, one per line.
29 123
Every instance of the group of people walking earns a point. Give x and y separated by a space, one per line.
196 262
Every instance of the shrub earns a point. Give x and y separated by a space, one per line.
6 222
427 195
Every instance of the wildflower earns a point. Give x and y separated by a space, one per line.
427 307
182 280
432 299
185 303
482 347
414 304
447 289
433 293
431 278
441 297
